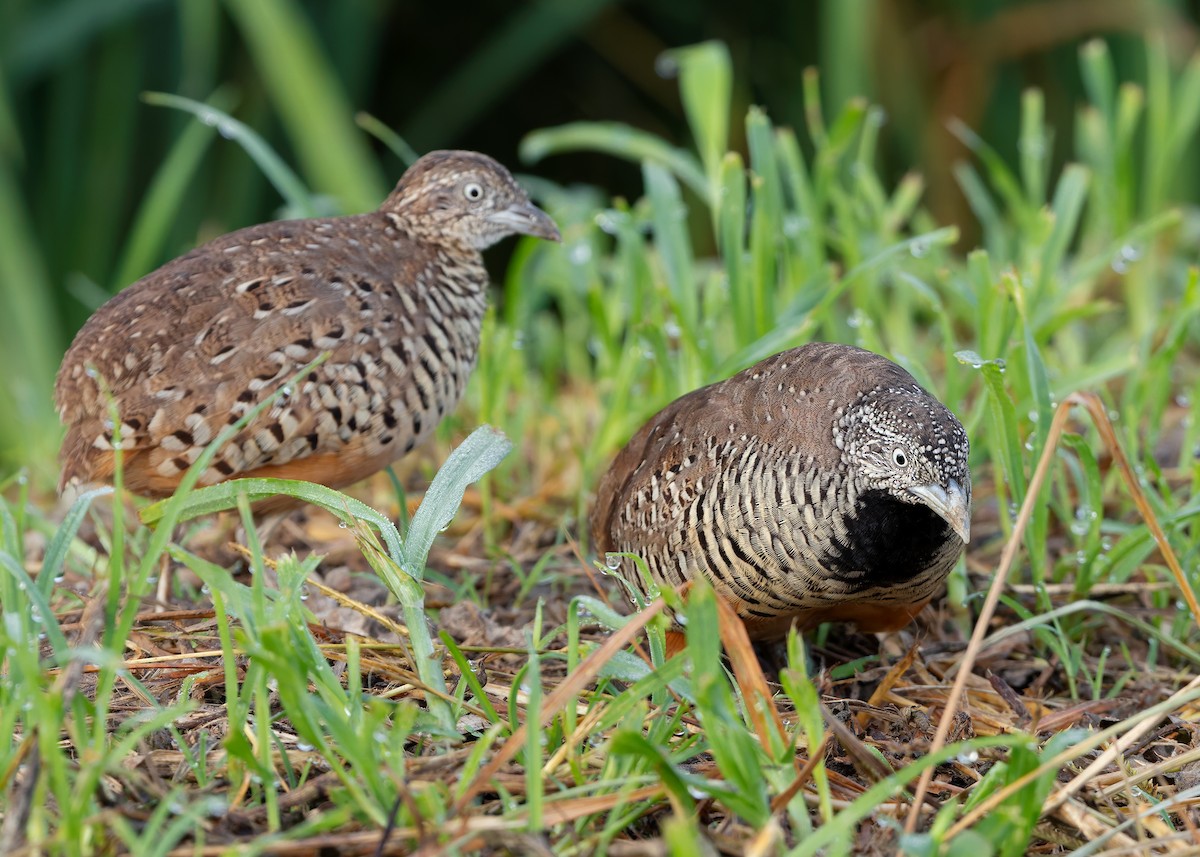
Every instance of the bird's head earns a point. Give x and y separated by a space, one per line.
903 441
466 198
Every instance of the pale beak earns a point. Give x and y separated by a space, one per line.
952 503
526 218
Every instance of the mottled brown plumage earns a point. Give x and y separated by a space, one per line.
396 296
822 484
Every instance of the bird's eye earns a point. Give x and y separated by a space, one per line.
899 458
473 191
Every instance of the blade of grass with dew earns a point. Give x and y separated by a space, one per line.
620 140
281 176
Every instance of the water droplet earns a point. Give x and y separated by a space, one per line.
607 223
672 329
919 248
204 590
1033 147
698 793
303 747
666 66
285 393
91 372
1081 558
970 757
1034 416
580 253
304 592
342 525
227 130
612 561
380 736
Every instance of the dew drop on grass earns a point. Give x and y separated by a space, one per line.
607 223
303 747
672 329
1081 558
698 793
666 66
612 561
581 253
342 525
204 590
304 592
91 372
968 758
919 249
380 736
1033 147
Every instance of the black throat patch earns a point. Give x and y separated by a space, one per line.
888 542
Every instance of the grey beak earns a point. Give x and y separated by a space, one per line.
952 504
525 218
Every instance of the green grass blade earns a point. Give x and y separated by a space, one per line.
165 197
622 141
281 176
305 89
483 449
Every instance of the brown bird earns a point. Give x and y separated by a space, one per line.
823 484
396 296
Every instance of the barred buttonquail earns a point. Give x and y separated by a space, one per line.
823 484
396 296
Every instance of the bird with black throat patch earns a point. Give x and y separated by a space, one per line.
822 484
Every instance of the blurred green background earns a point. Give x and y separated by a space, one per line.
97 187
